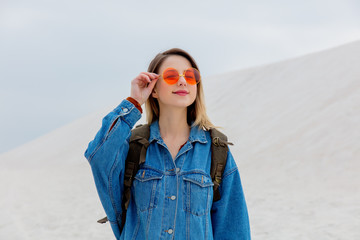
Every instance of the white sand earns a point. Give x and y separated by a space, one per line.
295 125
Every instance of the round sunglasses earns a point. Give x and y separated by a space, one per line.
171 76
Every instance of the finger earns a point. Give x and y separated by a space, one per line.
144 78
151 75
155 75
152 84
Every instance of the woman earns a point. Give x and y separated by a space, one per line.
166 202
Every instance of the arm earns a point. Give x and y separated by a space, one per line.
229 215
107 154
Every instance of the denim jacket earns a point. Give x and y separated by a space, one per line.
170 198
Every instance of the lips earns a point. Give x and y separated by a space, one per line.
181 92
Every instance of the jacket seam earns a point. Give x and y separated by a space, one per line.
95 151
104 138
229 172
108 135
110 186
110 131
195 172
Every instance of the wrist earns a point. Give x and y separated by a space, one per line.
135 102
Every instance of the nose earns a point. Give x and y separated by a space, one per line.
181 81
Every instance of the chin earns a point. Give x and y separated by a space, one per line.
177 102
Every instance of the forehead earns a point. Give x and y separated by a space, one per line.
175 61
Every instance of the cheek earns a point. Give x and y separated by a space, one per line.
194 91
162 89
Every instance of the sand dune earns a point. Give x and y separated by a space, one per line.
295 125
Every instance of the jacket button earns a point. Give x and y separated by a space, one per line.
125 110
170 231
173 197
177 170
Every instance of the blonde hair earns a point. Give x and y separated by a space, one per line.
196 112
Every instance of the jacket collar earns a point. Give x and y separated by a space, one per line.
196 134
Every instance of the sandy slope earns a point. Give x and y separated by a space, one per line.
295 125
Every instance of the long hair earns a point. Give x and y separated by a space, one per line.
196 112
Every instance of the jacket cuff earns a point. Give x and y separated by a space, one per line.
128 112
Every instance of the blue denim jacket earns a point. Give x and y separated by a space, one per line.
171 199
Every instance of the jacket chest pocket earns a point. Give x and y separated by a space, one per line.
198 192
146 187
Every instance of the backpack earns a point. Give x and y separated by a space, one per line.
137 153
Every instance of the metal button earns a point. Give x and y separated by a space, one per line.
170 231
125 110
177 170
173 197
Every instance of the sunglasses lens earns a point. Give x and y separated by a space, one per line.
192 76
171 75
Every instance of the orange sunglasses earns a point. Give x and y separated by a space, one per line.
171 76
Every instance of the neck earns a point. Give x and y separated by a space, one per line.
173 123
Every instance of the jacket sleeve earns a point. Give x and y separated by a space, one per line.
107 154
229 215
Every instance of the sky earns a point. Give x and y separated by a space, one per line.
62 60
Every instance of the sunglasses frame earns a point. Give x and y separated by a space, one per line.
181 75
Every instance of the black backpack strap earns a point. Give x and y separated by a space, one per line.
219 150
137 153
136 156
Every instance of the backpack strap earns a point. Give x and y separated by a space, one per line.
136 155
219 150
138 145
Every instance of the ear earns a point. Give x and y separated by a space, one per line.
154 93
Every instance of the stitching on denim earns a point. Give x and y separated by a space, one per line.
110 184
187 225
144 167
229 172
148 179
148 224
109 132
195 171
176 206
152 197
187 199
162 216
122 118
98 147
173 173
136 230
203 185
118 114
105 138
201 139
206 226
188 203
189 147
207 213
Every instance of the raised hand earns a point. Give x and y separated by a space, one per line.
142 86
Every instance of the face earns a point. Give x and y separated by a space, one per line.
166 94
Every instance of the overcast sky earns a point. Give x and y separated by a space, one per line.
61 60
